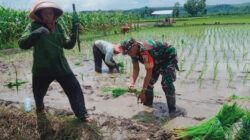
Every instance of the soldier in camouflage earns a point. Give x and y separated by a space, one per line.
158 58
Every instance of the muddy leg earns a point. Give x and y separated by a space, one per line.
74 92
150 89
169 89
98 57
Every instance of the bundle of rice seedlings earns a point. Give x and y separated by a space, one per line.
244 132
106 90
116 92
215 128
120 91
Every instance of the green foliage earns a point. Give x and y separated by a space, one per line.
146 12
120 64
13 23
176 10
244 132
193 7
119 91
10 85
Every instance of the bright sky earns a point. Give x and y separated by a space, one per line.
81 5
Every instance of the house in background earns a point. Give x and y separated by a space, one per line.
168 14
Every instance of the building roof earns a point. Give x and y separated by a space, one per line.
163 12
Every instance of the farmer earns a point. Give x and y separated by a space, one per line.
48 39
158 58
105 51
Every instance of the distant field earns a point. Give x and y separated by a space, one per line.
213 19
222 19
13 32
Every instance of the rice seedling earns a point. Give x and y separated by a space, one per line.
238 64
234 55
216 128
224 54
122 67
235 97
245 76
16 84
190 70
231 74
244 56
182 41
82 76
190 51
204 68
78 64
182 64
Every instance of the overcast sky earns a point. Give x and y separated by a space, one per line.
108 4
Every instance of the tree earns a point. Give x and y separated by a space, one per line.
146 12
193 7
176 10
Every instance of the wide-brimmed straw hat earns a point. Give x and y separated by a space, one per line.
34 14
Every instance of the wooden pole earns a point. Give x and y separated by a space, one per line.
77 32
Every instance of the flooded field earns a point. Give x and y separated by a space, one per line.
214 63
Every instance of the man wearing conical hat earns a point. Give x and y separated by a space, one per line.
48 39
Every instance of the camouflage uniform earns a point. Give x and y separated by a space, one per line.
164 59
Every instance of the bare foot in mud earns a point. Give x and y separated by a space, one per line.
178 112
89 119
41 112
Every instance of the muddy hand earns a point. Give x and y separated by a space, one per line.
141 97
131 89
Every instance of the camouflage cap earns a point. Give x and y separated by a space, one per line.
127 45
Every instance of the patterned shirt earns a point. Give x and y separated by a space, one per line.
152 53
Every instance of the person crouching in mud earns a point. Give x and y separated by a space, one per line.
158 58
104 51
48 39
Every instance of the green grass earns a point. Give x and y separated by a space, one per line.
212 19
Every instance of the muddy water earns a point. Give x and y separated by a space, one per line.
199 103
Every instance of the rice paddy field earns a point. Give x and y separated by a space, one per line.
214 63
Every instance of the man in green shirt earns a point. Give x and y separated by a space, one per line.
48 39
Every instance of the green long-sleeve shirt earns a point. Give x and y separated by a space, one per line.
49 58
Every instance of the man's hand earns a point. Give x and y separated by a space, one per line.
131 89
40 31
75 18
75 24
141 97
